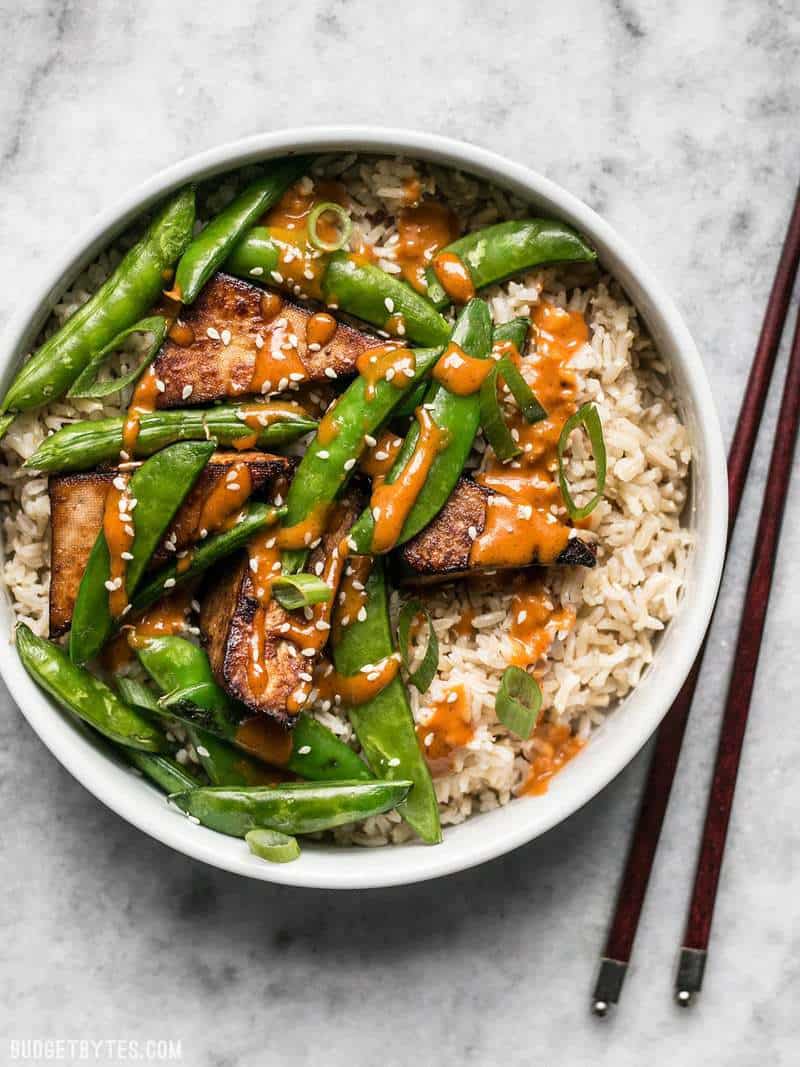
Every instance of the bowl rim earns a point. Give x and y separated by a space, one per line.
409 863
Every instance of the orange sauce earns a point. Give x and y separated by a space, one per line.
266 739
264 560
307 531
166 617
422 231
270 306
119 533
229 493
352 690
378 459
464 627
391 503
448 728
459 373
412 191
521 527
181 333
142 402
390 362
535 621
320 329
453 276
277 362
553 746
300 265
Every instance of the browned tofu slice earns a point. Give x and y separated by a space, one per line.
223 328
77 502
441 552
228 609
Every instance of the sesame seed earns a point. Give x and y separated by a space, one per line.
389 304
234 486
362 614
119 483
390 373
394 762
401 330
259 341
283 384
213 334
169 583
330 373
226 337
521 617
160 385
309 653
428 741
349 464
296 376
452 697
304 750
373 676
369 440
381 455
284 628
202 750
322 626
376 514
186 392
126 555
315 346
323 454
345 620
276 276
256 271
473 532
308 273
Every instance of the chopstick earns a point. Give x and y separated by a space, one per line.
655 797
740 688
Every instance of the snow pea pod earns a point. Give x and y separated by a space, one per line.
81 693
458 416
212 245
256 516
384 725
82 445
182 671
492 254
340 439
293 808
120 302
159 487
361 289
515 331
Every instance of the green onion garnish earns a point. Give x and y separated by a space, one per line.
86 384
494 425
518 701
137 694
345 226
532 410
294 591
587 417
422 677
272 845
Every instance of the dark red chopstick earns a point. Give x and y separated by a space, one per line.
740 688
655 797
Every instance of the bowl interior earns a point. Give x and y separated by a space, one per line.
625 731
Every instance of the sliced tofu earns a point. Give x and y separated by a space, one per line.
223 328
441 552
228 610
77 502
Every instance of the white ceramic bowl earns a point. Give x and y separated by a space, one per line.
610 749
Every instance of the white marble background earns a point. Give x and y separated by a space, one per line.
678 121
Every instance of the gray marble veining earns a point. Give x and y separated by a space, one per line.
678 121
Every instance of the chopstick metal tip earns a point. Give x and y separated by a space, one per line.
689 980
608 986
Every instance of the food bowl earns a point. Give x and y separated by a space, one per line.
614 744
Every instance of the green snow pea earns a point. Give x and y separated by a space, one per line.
384 725
159 486
165 772
120 302
496 252
82 445
211 247
81 693
293 808
458 416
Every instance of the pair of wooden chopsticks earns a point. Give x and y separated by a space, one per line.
619 946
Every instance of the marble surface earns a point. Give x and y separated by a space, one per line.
678 122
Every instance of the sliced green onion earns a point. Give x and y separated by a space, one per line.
422 677
272 845
587 417
532 410
518 701
345 226
294 591
494 425
137 694
86 384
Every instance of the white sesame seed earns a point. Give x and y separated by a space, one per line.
186 392
381 455
160 386
521 617
126 555
309 653
373 676
315 346
276 276
283 384
369 440
452 697
259 341
304 750
212 333
202 751
323 454
473 532
349 464
376 514
256 271
330 373
428 741
284 628
296 376
362 614
119 483
322 626
394 762
389 304
168 584
390 373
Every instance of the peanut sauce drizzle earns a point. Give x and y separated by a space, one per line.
391 362
181 333
453 276
351 600
553 745
320 329
352 690
378 459
422 231
535 621
300 264
221 508
277 362
459 373
391 503
521 525
119 533
448 728
266 739
142 402
165 618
